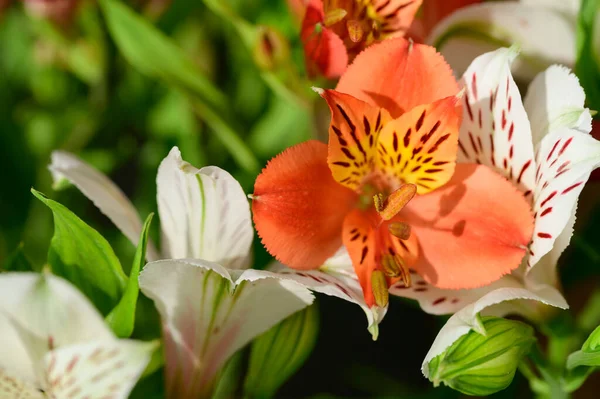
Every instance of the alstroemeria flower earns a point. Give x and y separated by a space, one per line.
335 31
394 130
543 147
545 30
55 344
209 308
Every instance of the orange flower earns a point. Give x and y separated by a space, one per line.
394 131
335 31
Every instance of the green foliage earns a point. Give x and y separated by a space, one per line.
588 51
478 364
122 318
278 354
155 55
81 255
17 261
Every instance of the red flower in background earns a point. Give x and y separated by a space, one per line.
335 31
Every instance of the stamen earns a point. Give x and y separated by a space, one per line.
334 16
400 230
390 207
355 30
380 288
394 266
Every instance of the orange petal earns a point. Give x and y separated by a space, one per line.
420 146
367 240
353 134
397 15
298 208
472 230
324 51
398 75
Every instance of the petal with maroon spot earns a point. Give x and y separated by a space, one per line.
420 146
397 74
353 135
565 159
324 51
495 129
97 369
396 15
298 208
336 278
477 218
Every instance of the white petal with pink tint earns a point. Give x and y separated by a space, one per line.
103 193
97 369
208 313
565 160
204 213
467 318
495 129
554 100
14 388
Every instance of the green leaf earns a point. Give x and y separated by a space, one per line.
154 54
586 65
122 318
17 261
278 354
81 255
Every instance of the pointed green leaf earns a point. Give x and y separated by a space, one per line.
588 60
81 255
122 318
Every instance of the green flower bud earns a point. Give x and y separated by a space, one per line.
589 355
279 352
271 49
482 364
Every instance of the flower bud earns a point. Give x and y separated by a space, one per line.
271 49
479 364
589 355
278 353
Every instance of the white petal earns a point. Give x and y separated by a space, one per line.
336 279
97 369
567 7
466 319
103 193
207 316
204 213
545 36
565 160
14 357
13 388
495 129
50 307
439 301
554 100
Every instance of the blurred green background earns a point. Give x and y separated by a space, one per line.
225 82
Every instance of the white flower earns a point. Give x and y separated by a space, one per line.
543 146
55 343
209 307
545 29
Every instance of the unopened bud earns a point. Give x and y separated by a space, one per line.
380 288
479 364
400 230
589 355
355 30
272 49
334 16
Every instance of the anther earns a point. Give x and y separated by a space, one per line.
334 16
390 207
390 267
400 230
380 288
355 30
